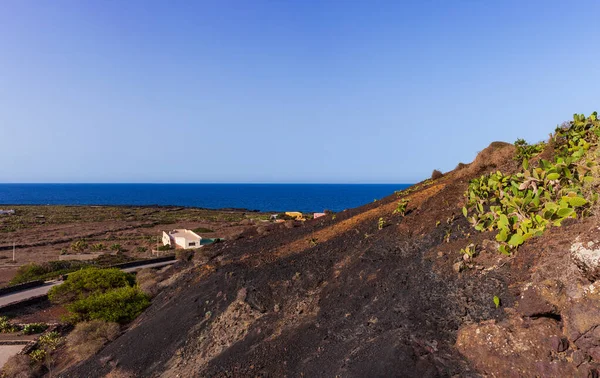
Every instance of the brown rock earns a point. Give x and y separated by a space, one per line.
595 353
533 304
458 267
559 344
509 346
580 320
580 357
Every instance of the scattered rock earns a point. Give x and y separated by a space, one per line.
587 258
580 357
458 267
559 344
595 353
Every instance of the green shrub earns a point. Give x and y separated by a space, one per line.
6 326
401 208
89 281
79 246
141 249
526 151
166 247
117 248
46 270
44 353
97 247
525 204
120 305
33 328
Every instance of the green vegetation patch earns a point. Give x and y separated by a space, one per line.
83 283
100 294
54 269
526 151
120 305
46 270
524 205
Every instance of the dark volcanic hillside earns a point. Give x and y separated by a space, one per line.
338 296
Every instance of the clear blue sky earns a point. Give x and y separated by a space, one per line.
283 91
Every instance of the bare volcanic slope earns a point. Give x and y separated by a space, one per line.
372 292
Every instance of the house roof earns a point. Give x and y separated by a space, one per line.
183 233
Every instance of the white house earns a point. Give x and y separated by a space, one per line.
181 238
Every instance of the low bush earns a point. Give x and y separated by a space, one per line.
526 151
166 247
436 174
79 246
46 346
141 249
523 205
89 281
120 305
87 338
6 326
46 270
20 366
33 328
97 247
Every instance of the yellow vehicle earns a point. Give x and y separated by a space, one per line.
295 214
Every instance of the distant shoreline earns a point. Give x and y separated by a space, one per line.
237 197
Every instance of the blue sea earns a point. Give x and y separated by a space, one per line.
263 197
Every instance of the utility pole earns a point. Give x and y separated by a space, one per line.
13 251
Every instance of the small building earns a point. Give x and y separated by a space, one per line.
182 239
318 215
7 212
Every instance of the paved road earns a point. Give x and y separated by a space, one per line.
43 290
7 351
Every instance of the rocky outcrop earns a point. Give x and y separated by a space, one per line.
586 256
554 328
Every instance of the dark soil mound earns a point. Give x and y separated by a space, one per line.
362 293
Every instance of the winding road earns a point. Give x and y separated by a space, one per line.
16 297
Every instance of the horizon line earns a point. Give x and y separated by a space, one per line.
207 183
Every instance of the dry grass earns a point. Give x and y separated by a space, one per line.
498 155
20 366
147 280
89 337
436 174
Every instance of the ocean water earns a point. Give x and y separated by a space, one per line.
263 197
